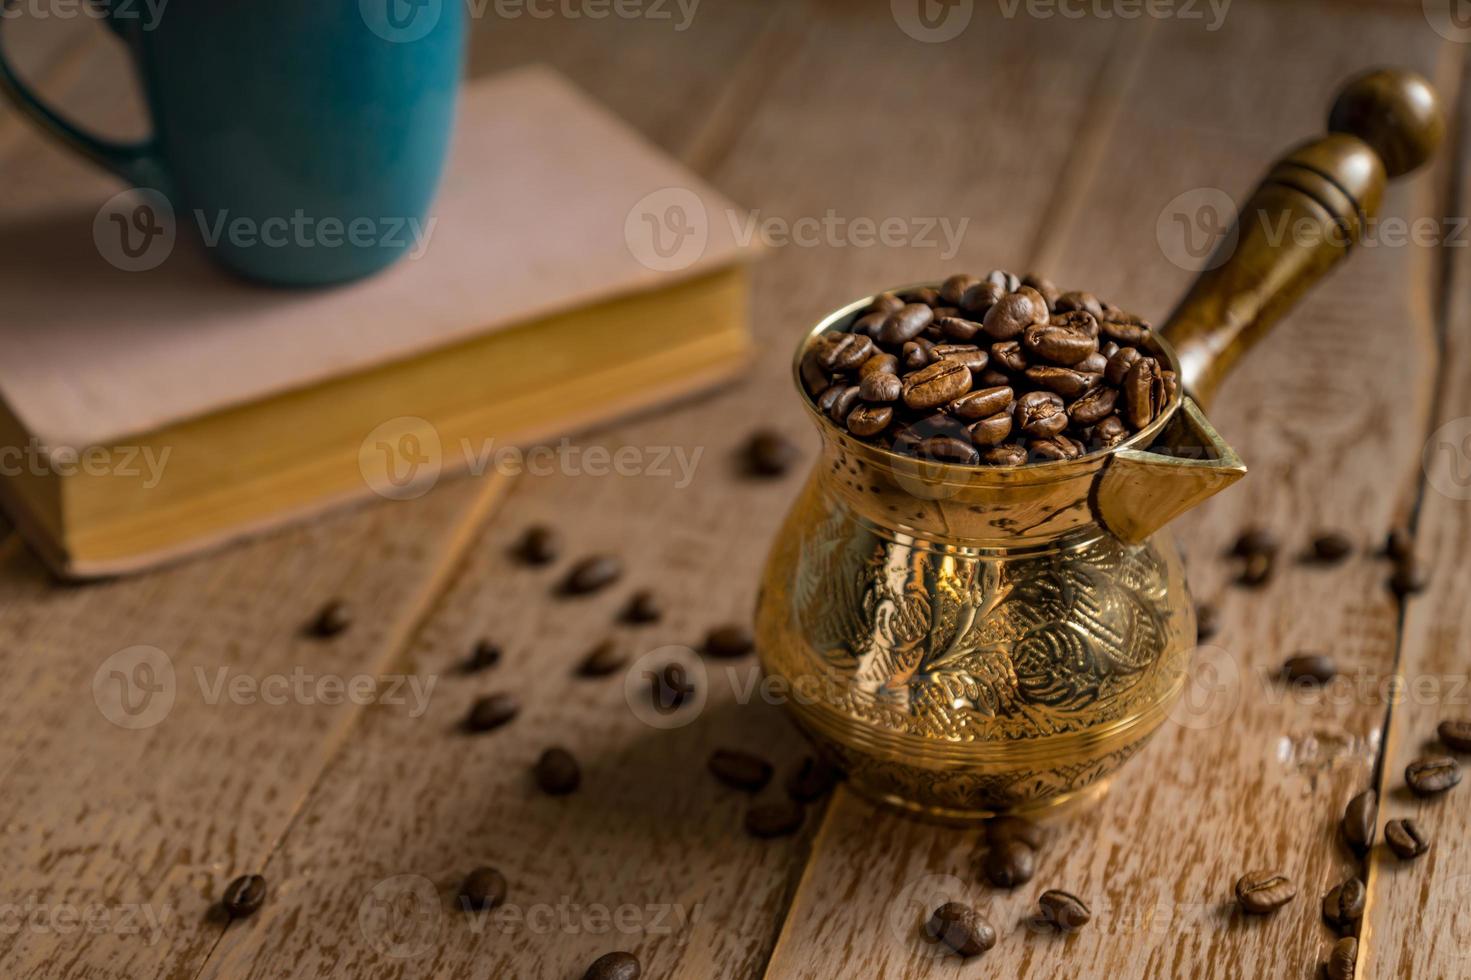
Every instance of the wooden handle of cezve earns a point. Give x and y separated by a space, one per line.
1312 207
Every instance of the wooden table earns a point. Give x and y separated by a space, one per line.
1061 140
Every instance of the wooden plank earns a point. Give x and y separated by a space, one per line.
1328 415
1415 924
650 828
141 830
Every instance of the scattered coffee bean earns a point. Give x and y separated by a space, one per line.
1255 541
614 966
1456 734
331 620
961 928
602 660
244 896
670 688
1332 547
729 642
557 772
591 574
1360 818
1432 775
540 545
1309 668
1343 959
643 607
774 819
1063 909
1009 863
1344 904
1258 569
999 830
1406 838
485 656
811 780
769 453
1207 621
483 888
1399 544
1409 578
740 770
491 712
1261 892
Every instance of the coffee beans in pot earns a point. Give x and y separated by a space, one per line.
1034 374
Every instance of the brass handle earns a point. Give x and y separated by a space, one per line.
1313 205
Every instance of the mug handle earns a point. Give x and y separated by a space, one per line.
137 163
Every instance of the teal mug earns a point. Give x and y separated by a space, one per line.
302 140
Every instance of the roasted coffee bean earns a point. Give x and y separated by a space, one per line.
906 323
1055 448
769 453
1344 904
1093 406
869 420
1065 339
843 351
1110 431
968 354
927 295
728 642
1009 356
867 325
915 355
1041 414
614 966
244 896
1432 775
1406 838
1360 818
643 607
878 364
961 928
1008 454
1009 863
1124 328
331 620
981 404
540 545
1456 734
1254 541
992 378
557 772
980 297
991 431
1079 301
1063 909
829 398
948 449
1260 892
740 770
885 303
1343 959
485 656
1409 578
1044 286
933 386
491 712
814 376
670 688
843 404
1207 621
1006 280
1258 570
1309 668
1399 544
591 574
774 819
811 780
880 387
602 660
999 830
1014 312
958 328
1119 365
1064 381
1331 547
1094 363
952 290
1144 393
